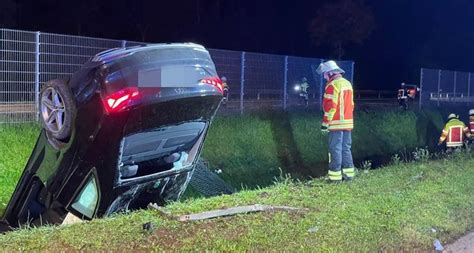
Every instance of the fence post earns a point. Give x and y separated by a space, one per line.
455 81
439 85
285 83
421 89
352 73
321 90
37 73
124 43
242 82
469 89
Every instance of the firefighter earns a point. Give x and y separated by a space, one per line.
225 90
453 133
338 106
304 90
402 97
471 126
471 121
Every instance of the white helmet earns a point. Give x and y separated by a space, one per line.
329 66
471 112
452 116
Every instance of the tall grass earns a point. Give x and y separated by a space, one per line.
249 149
16 144
253 150
243 148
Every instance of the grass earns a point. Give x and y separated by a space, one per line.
16 144
240 146
250 149
393 209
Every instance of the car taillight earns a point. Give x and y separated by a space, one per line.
214 81
121 99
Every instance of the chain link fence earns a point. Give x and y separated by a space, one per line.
445 87
256 81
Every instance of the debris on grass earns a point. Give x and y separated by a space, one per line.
225 212
438 246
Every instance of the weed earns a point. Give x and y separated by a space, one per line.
366 165
421 154
396 160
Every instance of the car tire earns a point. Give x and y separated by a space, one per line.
57 109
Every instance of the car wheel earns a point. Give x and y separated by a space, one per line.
57 109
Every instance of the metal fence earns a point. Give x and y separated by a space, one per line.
29 59
443 87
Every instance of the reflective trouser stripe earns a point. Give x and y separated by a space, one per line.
454 144
349 172
335 175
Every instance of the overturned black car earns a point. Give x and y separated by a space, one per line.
123 131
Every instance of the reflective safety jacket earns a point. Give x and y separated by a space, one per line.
453 133
338 105
471 124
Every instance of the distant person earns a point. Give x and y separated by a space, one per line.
304 90
225 89
471 121
406 93
402 97
453 133
471 126
338 106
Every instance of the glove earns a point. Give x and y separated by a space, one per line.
324 129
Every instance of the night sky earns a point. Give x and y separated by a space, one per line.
408 34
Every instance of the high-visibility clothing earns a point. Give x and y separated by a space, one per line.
338 105
349 173
471 124
401 94
335 175
453 133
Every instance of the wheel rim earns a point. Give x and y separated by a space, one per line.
53 110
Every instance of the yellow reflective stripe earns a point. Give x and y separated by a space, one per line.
341 105
344 126
330 114
328 96
335 175
342 121
350 172
338 125
334 178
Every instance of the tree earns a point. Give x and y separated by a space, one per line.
340 23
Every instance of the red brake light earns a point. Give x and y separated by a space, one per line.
120 100
214 81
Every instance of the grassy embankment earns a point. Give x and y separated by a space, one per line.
401 207
397 207
252 150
